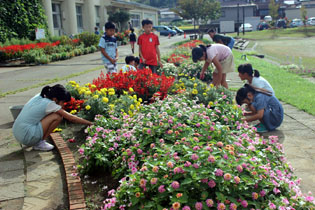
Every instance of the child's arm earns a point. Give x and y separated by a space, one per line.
73 118
158 55
116 55
256 116
218 66
140 54
204 68
107 56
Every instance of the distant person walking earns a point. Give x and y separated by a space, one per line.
149 47
222 58
132 40
96 31
221 39
41 115
109 50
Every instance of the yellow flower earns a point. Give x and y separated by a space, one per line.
131 89
57 130
104 90
95 96
73 111
194 91
93 86
88 107
112 106
140 100
130 113
234 106
135 101
135 97
210 103
211 85
111 93
195 85
205 94
131 97
125 92
87 84
105 100
88 93
111 90
132 107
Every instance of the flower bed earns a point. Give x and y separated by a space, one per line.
187 151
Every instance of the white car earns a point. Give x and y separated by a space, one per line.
247 27
311 21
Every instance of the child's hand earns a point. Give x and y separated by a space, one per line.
113 61
161 64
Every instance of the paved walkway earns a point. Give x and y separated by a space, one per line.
34 180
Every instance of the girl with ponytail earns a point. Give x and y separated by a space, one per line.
41 115
263 107
222 58
246 72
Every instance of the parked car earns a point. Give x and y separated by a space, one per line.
296 23
262 26
311 21
247 27
178 30
281 23
164 30
268 18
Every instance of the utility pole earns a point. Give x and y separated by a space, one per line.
243 20
238 19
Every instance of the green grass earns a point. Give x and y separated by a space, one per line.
189 27
277 33
289 87
57 79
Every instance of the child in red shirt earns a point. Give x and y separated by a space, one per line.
149 47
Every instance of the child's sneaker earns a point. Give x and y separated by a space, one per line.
43 146
261 128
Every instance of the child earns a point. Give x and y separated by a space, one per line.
265 108
96 32
41 115
109 51
137 62
246 72
221 39
132 39
130 64
149 47
222 58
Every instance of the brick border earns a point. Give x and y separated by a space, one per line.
74 186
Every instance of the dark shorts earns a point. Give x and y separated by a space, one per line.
153 68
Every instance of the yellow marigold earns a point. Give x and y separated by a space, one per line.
93 86
87 84
72 82
95 96
194 91
73 111
135 97
130 113
125 92
140 100
112 106
205 94
132 107
131 89
211 85
195 85
88 93
210 103
105 99
104 89
111 93
88 107
111 90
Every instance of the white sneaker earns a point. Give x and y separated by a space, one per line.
43 146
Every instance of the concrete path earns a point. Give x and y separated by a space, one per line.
29 179
35 180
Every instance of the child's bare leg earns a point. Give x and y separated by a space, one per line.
223 81
49 123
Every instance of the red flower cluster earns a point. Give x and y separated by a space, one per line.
12 49
176 59
191 44
143 82
73 104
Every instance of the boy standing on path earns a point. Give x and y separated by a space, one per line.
108 45
221 39
149 47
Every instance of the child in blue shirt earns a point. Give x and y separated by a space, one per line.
41 115
109 51
263 107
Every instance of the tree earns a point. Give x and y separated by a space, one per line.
198 10
273 10
20 18
119 17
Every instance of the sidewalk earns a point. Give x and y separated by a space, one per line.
35 180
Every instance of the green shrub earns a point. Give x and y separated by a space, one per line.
89 39
65 40
33 55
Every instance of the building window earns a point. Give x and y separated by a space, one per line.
79 16
56 13
135 20
97 16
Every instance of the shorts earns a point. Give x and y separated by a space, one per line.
111 68
227 65
153 68
29 136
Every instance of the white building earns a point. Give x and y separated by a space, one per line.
67 17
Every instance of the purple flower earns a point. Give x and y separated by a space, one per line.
198 206
244 203
209 202
194 157
161 189
218 172
186 208
81 151
211 183
175 185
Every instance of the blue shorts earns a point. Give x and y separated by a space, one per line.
231 43
29 136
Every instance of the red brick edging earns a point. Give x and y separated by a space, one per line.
75 190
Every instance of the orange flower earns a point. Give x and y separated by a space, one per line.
178 195
138 194
176 205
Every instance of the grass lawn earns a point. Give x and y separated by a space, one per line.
289 87
189 27
298 32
